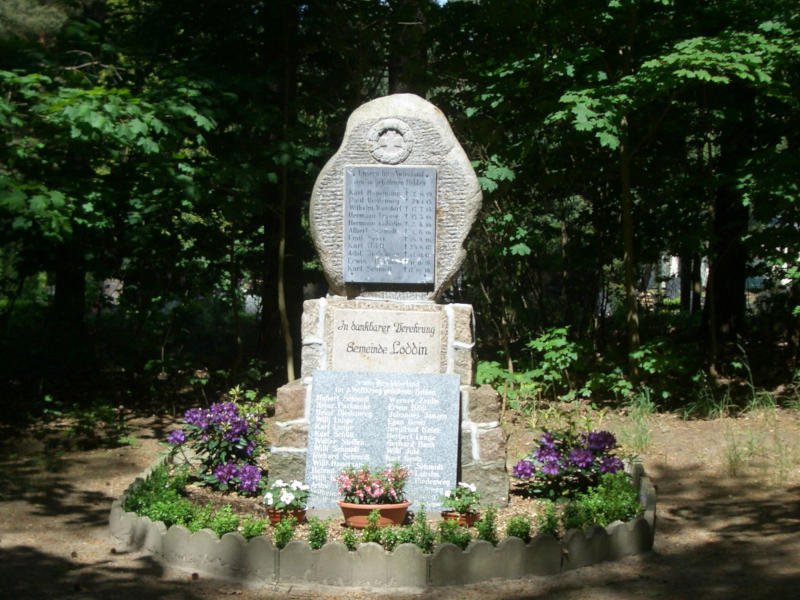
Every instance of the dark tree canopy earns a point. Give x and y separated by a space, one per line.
169 148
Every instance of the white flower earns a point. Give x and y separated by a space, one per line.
470 486
268 499
447 494
287 497
279 483
298 485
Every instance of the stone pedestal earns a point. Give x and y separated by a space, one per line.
447 348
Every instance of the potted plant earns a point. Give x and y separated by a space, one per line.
286 499
463 504
364 490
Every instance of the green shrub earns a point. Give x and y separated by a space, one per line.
574 516
317 533
159 497
159 486
224 521
487 526
613 499
548 523
372 533
284 531
423 535
201 518
349 538
176 511
451 532
519 526
393 536
253 527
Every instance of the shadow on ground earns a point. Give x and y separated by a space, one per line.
715 538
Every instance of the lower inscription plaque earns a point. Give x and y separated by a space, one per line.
381 418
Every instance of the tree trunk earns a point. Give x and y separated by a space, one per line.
235 308
282 214
408 51
685 274
629 265
726 282
69 306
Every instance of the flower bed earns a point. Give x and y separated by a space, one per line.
259 561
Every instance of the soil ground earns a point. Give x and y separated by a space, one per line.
728 520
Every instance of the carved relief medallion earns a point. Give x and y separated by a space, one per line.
390 141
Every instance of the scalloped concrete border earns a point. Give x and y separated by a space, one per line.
258 561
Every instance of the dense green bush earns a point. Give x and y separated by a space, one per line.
159 497
224 521
284 531
451 532
519 526
487 526
349 539
393 536
253 527
549 522
317 533
613 499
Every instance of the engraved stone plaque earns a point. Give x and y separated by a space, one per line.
389 224
401 341
381 418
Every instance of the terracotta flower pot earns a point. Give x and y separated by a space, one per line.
355 515
467 519
276 515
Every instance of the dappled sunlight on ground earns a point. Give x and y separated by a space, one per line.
728 522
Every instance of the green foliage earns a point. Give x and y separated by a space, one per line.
451 532
158 487
549 522
372 532
224 521
423 535
133 147
317 532
284 531
350 539
707 402
160 498
464 498
613 499
553 355
394 535
487 526
253 527
202 517
519 526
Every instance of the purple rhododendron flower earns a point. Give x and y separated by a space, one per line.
248 451
600 440
523 469
237 427
545 454
581 457
197 417
552 467
176 437
249 477
547 440
225 472
610 464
